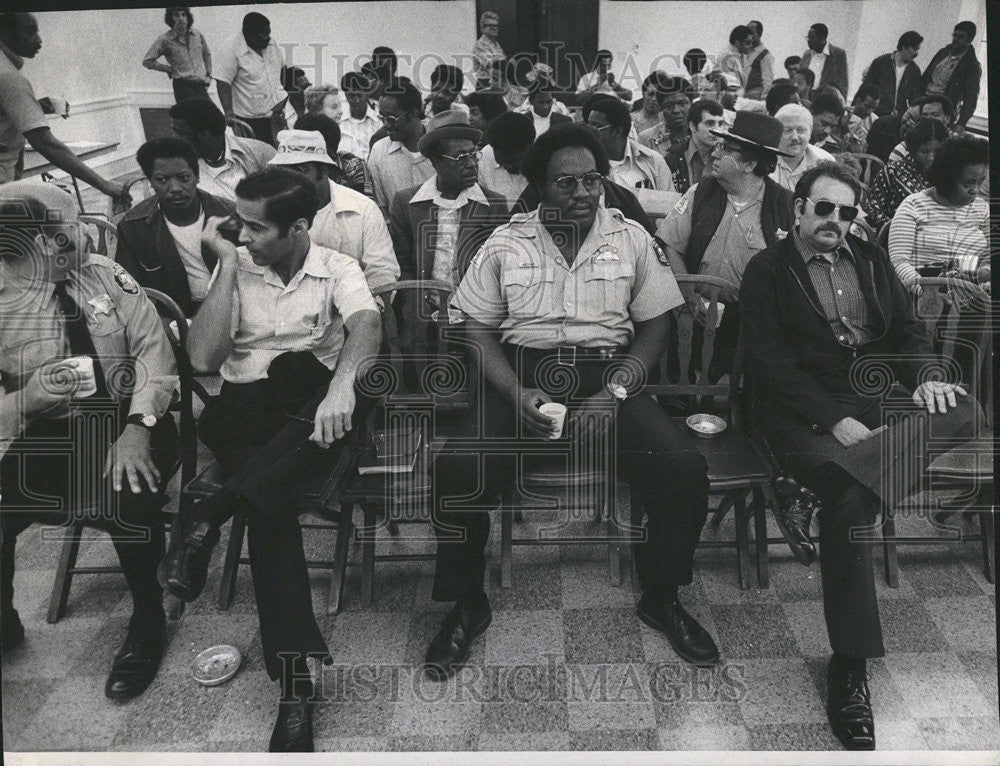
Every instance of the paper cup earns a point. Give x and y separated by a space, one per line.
557 412
85 369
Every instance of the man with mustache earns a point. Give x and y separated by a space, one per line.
818 309
576 287
799 154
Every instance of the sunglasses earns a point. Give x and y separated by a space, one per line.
464 156
824 208
591 182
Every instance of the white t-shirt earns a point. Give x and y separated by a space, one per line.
188 242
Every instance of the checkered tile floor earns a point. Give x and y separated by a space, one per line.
565 665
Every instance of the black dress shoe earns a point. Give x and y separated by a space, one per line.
136 663
688 638
450 647
12 631
184 569
849 706
293 731
793 516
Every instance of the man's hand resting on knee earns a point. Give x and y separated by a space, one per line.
333 416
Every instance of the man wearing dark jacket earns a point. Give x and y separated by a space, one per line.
954 72
159 240
828 325
827 62
895 74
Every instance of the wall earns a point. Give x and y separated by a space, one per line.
864 28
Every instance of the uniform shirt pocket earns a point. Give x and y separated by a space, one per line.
528 291
608 286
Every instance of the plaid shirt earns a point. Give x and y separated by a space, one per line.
839 290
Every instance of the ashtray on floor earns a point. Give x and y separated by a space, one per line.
216 665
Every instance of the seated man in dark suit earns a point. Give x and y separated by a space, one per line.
159 240
828 324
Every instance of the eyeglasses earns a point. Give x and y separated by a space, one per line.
824 207
464 156
591 182
598 128
389 119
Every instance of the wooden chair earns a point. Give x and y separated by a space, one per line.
870 167
966 469
187 463
240 127
432 405
107 234
736 468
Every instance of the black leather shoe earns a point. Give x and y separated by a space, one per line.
450 647
136 663
12 631
849 706
184 569
688 638
794 515
293 731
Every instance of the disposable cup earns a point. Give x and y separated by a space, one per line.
557 412
84 368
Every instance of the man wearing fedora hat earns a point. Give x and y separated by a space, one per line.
346 221
730 215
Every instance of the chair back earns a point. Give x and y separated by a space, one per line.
700 312
106 241
883 236
240 128
870 167
863 230
416 359
170 313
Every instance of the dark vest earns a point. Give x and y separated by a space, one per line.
709 206
755 79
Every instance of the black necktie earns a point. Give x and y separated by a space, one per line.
80 342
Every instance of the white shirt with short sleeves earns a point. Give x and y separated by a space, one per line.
307 314
255 78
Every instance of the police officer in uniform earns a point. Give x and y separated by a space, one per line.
104 458
571 291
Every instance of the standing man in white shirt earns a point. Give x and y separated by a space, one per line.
601 79
248 74
360 122
395 163
347 221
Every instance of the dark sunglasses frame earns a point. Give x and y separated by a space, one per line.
824 207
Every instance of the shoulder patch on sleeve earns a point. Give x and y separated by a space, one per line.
661 255
682 204
125 281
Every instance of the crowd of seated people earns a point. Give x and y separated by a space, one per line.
534 217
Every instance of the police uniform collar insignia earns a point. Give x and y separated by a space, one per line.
125 281
607 252
102 304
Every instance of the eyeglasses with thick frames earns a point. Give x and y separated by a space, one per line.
824 207
591 182
390 119
464 156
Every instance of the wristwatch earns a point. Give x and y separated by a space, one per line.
146 421
617 390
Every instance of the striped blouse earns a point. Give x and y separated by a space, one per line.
924 232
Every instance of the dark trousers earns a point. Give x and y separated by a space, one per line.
667 472
853 484
255 432
188 89
52 475
266 128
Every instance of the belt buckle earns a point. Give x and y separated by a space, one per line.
571 361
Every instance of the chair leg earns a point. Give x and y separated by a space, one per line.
345 529
230 569
742 541
174 607
986 526
889 549
368 554
614 550
720 513
507 518
64 575
760 500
